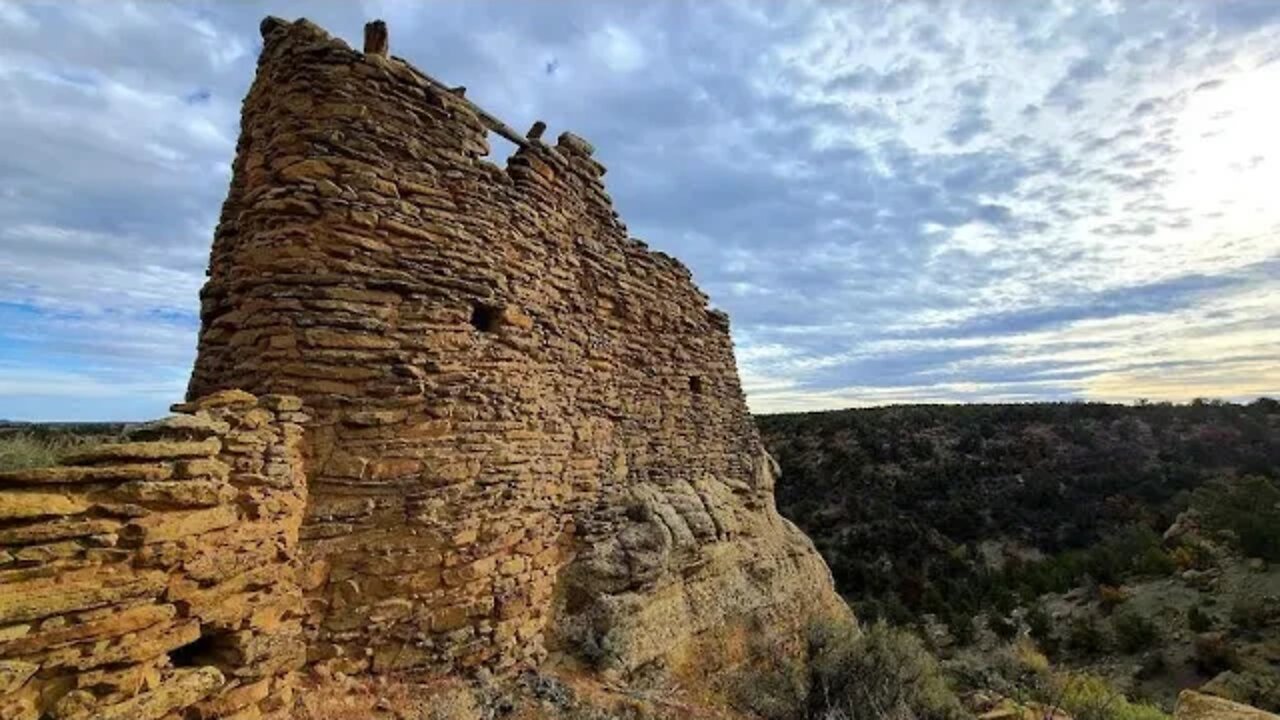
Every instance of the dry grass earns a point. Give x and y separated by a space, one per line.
29 446
27 450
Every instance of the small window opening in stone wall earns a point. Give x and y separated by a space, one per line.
484 318
196 653
695 384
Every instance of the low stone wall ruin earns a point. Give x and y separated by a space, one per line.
157 574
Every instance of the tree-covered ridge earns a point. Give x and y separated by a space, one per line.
915 507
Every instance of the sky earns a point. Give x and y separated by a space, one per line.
894 201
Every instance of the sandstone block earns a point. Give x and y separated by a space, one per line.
464 574
43 597
117 623
281 403
161 527
70 475
199 468
50 552
391 468
237 697
181 427
225 602
449 618
255 656
60 529
346 340
574 143
147 644
180 689
179 493
373 418
233 398
111 684
512 566
132 451
19 504
312 169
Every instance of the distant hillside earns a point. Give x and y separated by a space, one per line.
950 509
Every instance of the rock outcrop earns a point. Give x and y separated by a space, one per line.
1198 706
156 575
527 435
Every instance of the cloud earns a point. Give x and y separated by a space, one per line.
894 202
866 79
971 123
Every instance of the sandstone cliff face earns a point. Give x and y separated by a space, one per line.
157 575
527 432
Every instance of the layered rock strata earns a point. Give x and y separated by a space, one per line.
156 575
528 434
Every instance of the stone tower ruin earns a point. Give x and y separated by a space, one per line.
527 435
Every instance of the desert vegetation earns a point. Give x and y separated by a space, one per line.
1017 675
883 672
29 445
873 673
1134 546
948 510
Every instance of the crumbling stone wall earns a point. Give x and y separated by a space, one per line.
528 433
157 575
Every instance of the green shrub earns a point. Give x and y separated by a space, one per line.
1135 549
1040 627
1138 549
1003 627
771 684
1192 555
1133 632
961 626
1088 697
1086 638
1017 670
881 673
1247 510
774 694
1153 664
1249 613
1258 686
1198 620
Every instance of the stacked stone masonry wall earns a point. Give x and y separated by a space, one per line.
527 430
153 578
